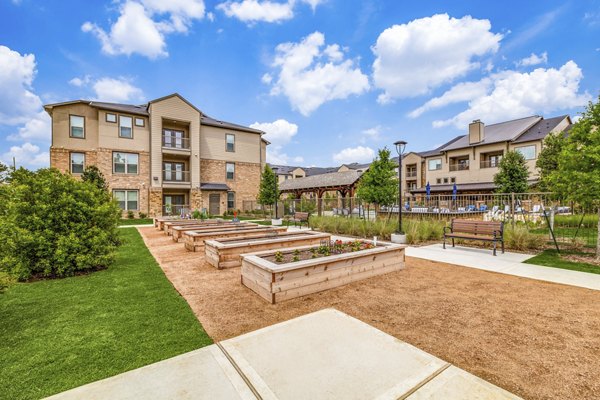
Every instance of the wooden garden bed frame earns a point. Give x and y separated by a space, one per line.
168 225
158 221
194 241
176 232
277 282
226 253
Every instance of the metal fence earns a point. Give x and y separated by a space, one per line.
563 224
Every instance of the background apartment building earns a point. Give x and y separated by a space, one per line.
159 157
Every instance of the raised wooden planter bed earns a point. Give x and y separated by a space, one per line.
158 221
277 282
226 253
168 225
176 231
194 241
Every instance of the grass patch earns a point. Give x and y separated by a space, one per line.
138 221
550 258
60 334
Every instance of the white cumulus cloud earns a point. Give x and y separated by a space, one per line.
413 58
360 154
279 133
37 129
116 90
142 26
533 59
461 92
513 94
18 102
27 155
251 11
310 73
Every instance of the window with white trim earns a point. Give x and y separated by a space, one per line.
527 151
435 164
127 199
230 200
230 168
125 163
230 142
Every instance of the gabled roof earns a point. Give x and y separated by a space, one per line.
437 151
321 181
175 95
355 165
541 129
206 120
495 133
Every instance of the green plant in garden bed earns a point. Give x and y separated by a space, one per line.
60 334
550 258
139 221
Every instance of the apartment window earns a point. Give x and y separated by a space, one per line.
435 164
125 127
140 122
438 181
111 117
230 140
77 163
77 126
452 180
230 200
445 180
125 163
230 168
527 151
127 199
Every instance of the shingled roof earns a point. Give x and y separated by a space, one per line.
322 181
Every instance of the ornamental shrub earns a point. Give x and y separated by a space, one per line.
55 226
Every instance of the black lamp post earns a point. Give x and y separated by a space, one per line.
275 169
400 147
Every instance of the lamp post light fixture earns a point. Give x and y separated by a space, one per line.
399 236
276 220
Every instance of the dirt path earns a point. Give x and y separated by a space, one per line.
538 340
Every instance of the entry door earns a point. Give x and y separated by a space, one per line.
214 204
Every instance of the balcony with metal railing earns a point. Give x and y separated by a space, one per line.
176 176
489 164
175 142
175 209
462 165
411 174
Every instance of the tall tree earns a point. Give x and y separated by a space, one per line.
378 185
512 174
92 175
547 161
4 172
577 177
269 187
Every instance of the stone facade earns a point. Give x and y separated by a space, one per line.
245 183
155 202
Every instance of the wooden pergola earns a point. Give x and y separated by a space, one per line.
342 182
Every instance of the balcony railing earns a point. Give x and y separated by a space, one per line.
411 174
176 176
489 164
460 166
175 142
175 209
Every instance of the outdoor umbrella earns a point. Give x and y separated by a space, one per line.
454 190
428 191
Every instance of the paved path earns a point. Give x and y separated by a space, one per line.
323 355
507 263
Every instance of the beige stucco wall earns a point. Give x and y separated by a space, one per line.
60 127
174 108
409 160
108 133
213 145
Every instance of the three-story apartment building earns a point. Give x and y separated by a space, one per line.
470 161
160 157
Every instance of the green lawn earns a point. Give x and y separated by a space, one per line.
59 334
549 258
134 221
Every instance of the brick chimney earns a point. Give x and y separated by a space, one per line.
476 132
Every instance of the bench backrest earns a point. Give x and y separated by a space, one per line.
301 215
477 227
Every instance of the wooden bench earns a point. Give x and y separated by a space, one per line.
300 217
489 231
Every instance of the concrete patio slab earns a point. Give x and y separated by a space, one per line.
323 355
204 374
507 263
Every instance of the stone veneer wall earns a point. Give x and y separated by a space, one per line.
245 184
102 158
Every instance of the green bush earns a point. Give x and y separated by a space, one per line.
519 238
130 215
142 215
196 214
54 225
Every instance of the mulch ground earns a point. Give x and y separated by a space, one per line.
538 340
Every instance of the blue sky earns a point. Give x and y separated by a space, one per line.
330 81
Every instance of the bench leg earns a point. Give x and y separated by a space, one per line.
452 242
494 247
444 245
502 246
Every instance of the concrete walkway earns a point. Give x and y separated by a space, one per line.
507 263
323 355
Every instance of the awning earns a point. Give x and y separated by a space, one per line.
214 186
